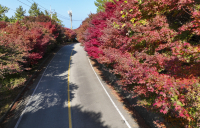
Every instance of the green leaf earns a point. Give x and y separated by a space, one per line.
123 16
176 97
179 103
143 22
130 10
140 1
133 20
100 4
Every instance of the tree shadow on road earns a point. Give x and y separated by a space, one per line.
48 107
51 110
86 119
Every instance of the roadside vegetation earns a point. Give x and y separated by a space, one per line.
24 41
153 47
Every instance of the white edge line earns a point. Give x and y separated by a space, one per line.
110 97
34 92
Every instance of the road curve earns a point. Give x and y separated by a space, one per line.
70 95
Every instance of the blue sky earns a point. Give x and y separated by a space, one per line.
80 8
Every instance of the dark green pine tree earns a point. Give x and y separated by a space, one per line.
12 19
55 17
20 13
46 13
34 10
3 10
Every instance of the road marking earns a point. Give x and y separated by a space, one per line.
69 107
128 125
17 124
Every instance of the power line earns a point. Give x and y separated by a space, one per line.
43 3
40 5
63 17
59 15
10 8
36 3
77 20
39 8
28 1
23 3
45 8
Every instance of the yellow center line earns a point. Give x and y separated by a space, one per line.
69 107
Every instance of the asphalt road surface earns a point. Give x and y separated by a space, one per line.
71 95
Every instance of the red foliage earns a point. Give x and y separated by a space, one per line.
70 34
23 45
94 32
3 24
155 56
58 30
81 31
50 28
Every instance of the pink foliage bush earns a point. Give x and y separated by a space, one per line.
154 47
70 34
81 31
22 44
3 24
94 32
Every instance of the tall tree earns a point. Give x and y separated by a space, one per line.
46 13
5 18
41 13
3 10
20 13
12 19
34 10
100 4
55 17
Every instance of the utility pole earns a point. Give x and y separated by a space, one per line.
70 14
50 12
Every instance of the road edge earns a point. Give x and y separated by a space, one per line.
4 121
144 115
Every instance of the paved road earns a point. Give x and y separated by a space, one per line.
87 103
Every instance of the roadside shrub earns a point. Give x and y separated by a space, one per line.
154 47
46 19
3 24
70 34
81 31
22 44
